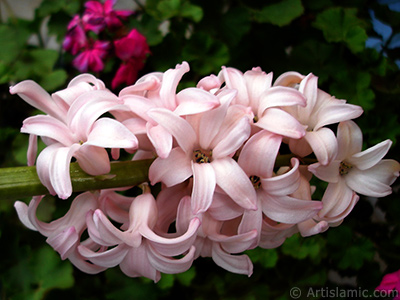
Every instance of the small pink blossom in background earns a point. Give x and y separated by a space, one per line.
391 284
75 39
99 16
91 58
231 153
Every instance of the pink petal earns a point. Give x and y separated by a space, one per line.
223 208
323 143
337 111
93 160
64 242
350 139
232 179
234 80
172 170
370 157
310 227
45 125
257 82
284 184
203 187
259 154
32 149
280 122
172 246
239 264
376 181
193 100
289 210
309 88
136 263
328 173
289 79
280 96
170 82
171 265
109 133
175 125
53 169
35 95
108 259
211 122
160 138
22 211
233 140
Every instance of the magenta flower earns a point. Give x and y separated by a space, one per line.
391 284
91 58
132 50
98 16
75 39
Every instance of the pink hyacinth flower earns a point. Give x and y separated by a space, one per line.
63 234
354 171
140 250
98 16
204 152
255 91
84 136
321 109
91 58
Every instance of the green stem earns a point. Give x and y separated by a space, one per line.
20 182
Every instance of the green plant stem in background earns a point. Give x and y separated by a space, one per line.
20 182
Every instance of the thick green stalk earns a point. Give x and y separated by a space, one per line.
20 182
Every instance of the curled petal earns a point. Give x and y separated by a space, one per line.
328 173
108 259
280 96
64 242
324 144
290 79
93 160
160 138
194 101
234 79
310 227
350 139
239 264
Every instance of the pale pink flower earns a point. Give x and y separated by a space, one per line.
206 143
55 105
321 109
83 136
220 240
158 90
354 171
63 234
141 251
255 91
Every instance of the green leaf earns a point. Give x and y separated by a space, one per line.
53 80
281 13
191 11
342 25
301 248
268 258
13 41
149 27
187 277
235 24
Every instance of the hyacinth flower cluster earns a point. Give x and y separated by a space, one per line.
233 158
100 34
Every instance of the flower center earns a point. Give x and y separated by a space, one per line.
256 181
202 156
344 168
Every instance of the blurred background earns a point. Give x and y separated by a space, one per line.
353 46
